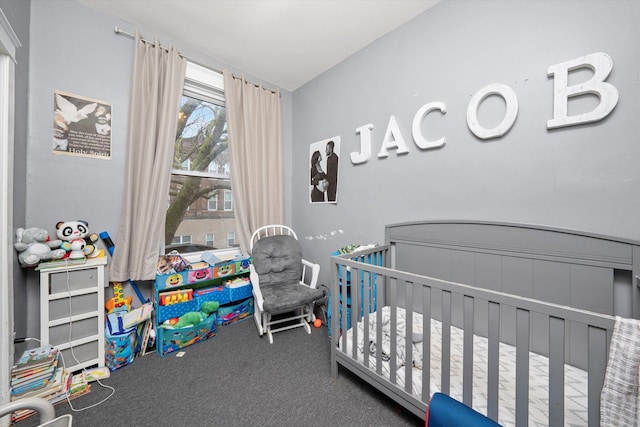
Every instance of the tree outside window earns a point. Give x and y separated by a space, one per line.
200 177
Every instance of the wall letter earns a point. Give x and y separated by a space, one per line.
601 64
365 145
393 139
416 132
511 101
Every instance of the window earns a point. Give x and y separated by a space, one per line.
231 238
181 240
212 203
228 201
201 171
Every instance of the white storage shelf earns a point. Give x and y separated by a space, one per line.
72 312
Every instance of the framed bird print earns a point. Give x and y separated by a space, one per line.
81 126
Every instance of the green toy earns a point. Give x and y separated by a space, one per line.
193 318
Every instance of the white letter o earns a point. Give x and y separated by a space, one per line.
510 99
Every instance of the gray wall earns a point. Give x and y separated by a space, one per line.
581 177
74 49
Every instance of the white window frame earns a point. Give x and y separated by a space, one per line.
212 201
208 85
8 45
230 201
183 239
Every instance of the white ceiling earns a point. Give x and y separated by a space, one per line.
284 42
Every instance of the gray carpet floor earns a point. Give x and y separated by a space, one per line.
237 379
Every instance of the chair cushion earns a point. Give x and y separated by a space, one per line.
288 296
277 259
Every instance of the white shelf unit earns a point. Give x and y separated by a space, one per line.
72 312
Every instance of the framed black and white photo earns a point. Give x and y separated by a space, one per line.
323 166
81 126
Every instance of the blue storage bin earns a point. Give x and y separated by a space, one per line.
119 343
235 312
368 284
172 339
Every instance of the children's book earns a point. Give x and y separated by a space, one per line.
94 374
60 263
58 388
35 358
40 388
78 383
33 374
45 374
137 315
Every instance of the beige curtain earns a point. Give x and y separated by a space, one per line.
158 80
254 125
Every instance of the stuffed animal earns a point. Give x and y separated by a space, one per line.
193 318
70 231
34 245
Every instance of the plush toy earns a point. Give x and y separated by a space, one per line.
34 245
76 249
72 231
193 318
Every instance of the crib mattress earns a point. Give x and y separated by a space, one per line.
575 379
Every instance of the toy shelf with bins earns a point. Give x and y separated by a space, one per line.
72 310
368 285
179 293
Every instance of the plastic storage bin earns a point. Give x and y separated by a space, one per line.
232 313
119 343
171 339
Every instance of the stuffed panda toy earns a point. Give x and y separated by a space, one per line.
76 239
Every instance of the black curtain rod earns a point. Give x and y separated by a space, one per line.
119 30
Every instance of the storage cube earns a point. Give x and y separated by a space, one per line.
172 339
233 313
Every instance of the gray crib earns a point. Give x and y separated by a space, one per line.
485 311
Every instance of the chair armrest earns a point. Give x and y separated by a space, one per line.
315 272
38 404
255 285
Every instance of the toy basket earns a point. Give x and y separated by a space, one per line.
172 339
232 313
119 343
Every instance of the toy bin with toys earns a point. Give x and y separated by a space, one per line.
235 312
120 342
185 301
170 339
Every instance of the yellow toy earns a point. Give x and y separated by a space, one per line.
118 302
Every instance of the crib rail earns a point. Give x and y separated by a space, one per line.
495 316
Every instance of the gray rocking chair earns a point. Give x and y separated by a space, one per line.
283 282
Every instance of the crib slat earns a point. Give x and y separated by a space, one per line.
426 343
408 339
493 368
556 370
467 358
379 331
394 334
353 289
597 363
522 367
446 343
